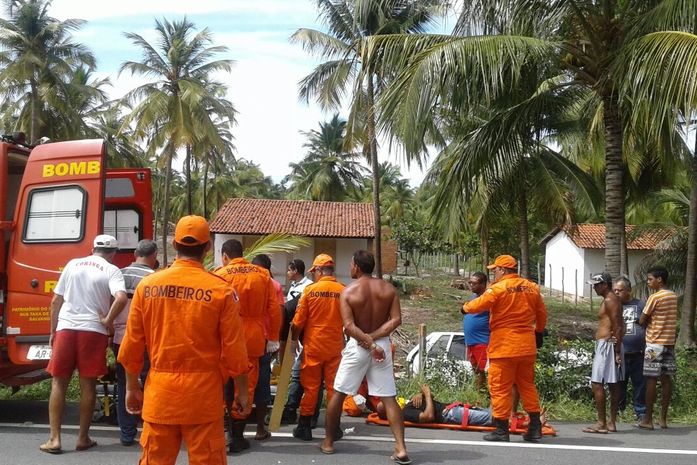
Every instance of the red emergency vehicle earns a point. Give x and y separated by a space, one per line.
54 199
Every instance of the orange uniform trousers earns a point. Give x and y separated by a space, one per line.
503 374
205 443
311 373
252 379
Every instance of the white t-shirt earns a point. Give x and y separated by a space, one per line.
87 285
297 288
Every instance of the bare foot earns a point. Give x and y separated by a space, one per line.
51 447
326 447
611 427
663 424
642 425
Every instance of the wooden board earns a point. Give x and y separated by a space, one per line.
282 387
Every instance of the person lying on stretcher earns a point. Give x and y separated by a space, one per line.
423 408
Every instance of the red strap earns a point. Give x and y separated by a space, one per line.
465 412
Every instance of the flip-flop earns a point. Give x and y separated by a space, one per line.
50 450
401 460
593 430
644 427
263 437
326 451
87 447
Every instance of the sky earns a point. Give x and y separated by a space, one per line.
264 80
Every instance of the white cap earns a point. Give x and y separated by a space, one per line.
105 241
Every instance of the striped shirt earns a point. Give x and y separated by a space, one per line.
662 306
132 275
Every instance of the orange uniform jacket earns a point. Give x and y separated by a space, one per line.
515 304
318 315
257 303
188 319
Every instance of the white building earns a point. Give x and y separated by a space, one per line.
334 228
575 252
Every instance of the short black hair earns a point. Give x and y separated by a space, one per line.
190 251
145 248
297 265
659 272
624 280
232 248
364 260
481 277
263 261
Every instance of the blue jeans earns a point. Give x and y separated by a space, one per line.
295 389
475 417
262 393
634 369
128 424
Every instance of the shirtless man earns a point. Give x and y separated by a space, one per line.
370 311
607 361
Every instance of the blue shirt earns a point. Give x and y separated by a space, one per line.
634 339
476 326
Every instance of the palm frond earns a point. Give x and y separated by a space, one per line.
276 243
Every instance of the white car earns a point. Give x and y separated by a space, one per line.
442 348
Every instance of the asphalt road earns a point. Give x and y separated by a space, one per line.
23 428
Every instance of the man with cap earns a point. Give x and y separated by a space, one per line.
82 314
517 321
145 262
257 305
319 318
189 321
607 359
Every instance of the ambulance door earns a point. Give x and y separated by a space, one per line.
59 213
128 210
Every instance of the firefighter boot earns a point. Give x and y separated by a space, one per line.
239 443
500 433
534 432
303 430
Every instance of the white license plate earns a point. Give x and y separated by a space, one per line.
39 353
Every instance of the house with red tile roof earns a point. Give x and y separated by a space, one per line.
335 228
574 252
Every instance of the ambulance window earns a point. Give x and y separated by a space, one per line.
119 187
124 225
55 214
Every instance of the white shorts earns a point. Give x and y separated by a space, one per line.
357 363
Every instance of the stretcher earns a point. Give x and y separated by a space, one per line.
517 425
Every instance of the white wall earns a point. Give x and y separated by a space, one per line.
279 261
561 252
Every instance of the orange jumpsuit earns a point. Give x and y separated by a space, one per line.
187 318
323 339
516 305
258 305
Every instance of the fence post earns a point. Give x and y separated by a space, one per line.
576 288
422 350
538 274
562 284
550 279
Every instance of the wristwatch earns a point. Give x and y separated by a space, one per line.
373 347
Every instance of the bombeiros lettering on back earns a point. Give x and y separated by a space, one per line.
169 291
325 294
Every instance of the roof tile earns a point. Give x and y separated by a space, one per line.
300 217
592 236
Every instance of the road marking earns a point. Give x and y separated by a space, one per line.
522 445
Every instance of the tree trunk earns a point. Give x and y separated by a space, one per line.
187 167
614 187
165 206
457 264
205 188
34 127
687 317
372 140
484 236
624 258
523 231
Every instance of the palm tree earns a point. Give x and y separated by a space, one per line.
327 172
38 58
663 65
179 103
585 40
346 73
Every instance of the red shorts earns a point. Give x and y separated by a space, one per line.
476 354
84 350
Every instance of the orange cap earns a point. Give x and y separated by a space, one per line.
192 230
504 261
322 260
